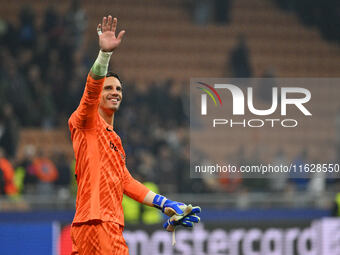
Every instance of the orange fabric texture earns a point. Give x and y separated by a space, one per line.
8 172
102 176
97 237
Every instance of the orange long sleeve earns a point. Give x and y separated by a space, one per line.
86 114
134 188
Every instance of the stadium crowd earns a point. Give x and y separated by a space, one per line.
42 76
43 71
322 14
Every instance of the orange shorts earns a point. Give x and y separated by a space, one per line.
98 237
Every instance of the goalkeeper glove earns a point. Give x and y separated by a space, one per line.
179 213
167 206
187 220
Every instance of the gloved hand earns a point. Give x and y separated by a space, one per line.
179 213
167 206
186 220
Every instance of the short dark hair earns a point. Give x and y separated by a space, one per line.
112 74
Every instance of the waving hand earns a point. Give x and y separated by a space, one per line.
107 34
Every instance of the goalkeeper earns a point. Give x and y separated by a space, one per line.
101 172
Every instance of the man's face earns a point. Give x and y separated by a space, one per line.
111 95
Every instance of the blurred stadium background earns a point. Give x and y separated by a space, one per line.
47 48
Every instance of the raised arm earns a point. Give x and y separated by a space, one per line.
108 42
85 115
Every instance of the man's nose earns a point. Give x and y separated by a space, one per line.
115 92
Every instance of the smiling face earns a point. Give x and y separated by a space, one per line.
111 96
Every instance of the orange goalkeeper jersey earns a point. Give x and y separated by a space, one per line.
101 174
